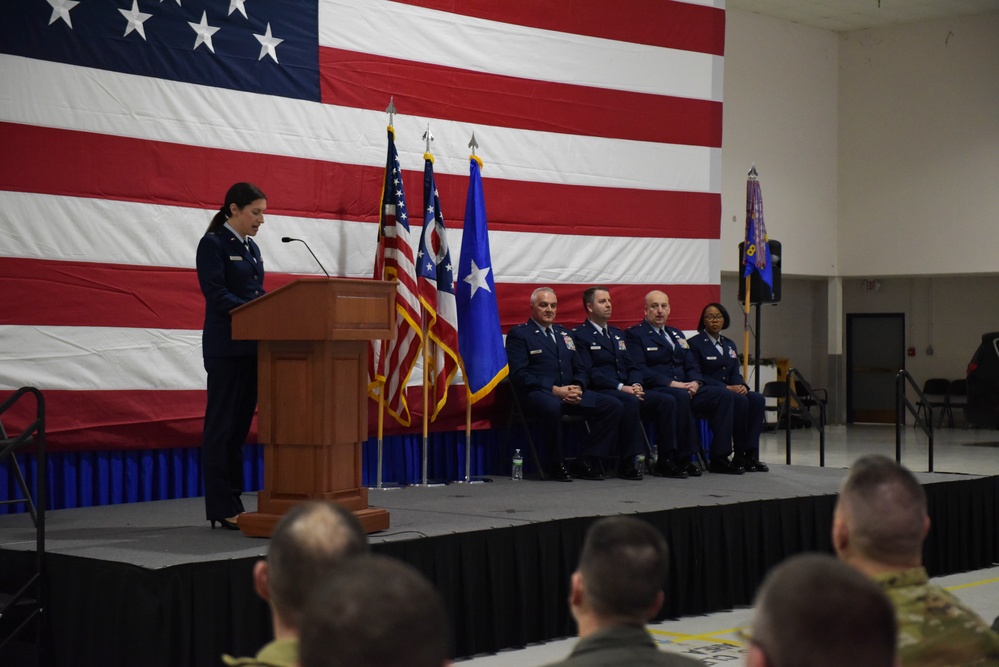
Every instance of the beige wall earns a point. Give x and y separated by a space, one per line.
878 153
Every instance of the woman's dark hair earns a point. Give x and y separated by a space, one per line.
241 194
721 309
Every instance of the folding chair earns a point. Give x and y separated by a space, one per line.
518 415
935 390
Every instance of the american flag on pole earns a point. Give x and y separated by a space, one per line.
392 360
123 123
435 275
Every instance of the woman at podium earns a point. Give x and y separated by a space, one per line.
231 273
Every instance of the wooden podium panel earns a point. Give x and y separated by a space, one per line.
312 401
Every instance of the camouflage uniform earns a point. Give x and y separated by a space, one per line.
934 628
279 653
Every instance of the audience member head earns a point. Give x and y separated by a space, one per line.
311 539
880 520
544 304
710 319
375 611
656 308
815 611
621 574
597 304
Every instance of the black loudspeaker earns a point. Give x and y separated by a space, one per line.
758 290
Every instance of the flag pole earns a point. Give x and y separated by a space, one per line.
745 329
426 397
381 432
747 306
468 433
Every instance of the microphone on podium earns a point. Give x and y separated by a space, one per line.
288 239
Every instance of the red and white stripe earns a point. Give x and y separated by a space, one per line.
600 128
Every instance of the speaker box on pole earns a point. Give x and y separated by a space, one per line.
758 290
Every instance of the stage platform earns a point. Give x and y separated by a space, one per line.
151 584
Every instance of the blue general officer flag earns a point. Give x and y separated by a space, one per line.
480 339
757 248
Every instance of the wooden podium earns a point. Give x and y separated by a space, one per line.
312 402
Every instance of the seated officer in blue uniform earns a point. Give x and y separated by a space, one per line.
612 372
718 361
550 379
668 366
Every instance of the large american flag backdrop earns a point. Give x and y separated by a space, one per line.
123 122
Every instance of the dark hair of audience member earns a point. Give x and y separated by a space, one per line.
375 611
813 610
886 507
623 564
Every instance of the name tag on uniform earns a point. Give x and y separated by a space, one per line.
535 352
711 358
594 347
651 349
235 258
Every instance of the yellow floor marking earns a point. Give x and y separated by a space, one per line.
972 584
685 637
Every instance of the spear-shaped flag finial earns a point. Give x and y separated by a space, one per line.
390 110
753 174
473 144
428 137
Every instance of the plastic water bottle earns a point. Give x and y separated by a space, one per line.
518 466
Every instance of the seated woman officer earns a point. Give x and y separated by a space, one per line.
718 360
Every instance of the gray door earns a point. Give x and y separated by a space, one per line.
875 353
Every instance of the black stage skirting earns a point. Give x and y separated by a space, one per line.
149 584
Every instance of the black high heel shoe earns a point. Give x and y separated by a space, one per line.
228 525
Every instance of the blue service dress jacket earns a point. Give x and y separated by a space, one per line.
609 364
230 274
722 368
669 359
536 366
718 367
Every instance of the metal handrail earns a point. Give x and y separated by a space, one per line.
789 394
902 401
33 435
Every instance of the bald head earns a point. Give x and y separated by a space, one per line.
656 308
881 514
311 539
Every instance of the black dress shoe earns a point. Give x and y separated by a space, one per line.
692 470
669 469
724 466
560 474
754 464
226 523
581 469
629 471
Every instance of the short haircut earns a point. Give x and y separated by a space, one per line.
590 294
623 564
539 290
375 611
726 320
816 611
885 510
309 541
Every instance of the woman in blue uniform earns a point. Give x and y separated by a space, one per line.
718 360
231 273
